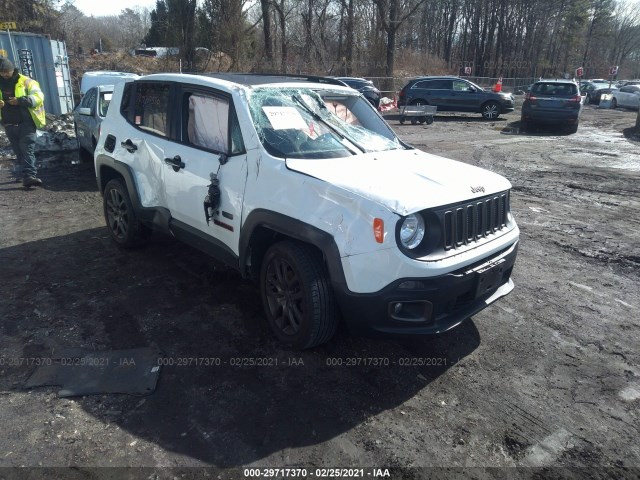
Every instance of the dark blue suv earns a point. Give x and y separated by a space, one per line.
454 94
552 102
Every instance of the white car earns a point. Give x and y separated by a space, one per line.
299 184
627 96
88 116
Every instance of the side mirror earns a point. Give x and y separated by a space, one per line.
84 111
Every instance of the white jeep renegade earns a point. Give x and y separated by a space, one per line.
299 184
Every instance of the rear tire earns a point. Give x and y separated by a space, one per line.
122 222
572 128
297 296
614 103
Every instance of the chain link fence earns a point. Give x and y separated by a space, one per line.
390 86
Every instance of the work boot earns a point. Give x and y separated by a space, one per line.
31 182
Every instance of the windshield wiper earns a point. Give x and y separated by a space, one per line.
318 118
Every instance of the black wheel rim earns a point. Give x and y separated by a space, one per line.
284 295
491 110
117 213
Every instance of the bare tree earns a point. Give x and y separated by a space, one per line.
389 11
266 30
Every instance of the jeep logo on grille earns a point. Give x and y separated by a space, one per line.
477 189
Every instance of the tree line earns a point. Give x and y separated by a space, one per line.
510 38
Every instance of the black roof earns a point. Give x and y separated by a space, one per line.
252 79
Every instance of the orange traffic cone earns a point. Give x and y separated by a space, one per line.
498 86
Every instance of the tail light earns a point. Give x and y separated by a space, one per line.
530 97
401 94
575 98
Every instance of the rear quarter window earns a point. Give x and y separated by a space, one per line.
435 84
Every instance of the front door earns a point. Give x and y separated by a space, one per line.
209 147
465 98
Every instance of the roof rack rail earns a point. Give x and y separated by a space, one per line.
258 78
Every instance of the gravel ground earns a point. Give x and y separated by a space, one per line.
547 379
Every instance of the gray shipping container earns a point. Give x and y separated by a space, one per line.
44 60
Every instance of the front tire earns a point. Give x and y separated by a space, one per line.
297 296
491 110
122 222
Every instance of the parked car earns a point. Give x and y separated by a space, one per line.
88 116
627 96
366 87
594 92
453 94
302 187
102 77
552 102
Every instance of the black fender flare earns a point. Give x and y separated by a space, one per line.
296 229
156 217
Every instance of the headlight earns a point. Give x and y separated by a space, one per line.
412 231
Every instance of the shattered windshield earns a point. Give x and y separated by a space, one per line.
302 123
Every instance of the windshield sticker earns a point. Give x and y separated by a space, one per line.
282 118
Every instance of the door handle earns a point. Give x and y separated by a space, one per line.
129 146
175 162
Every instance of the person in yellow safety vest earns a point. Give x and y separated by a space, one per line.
21 114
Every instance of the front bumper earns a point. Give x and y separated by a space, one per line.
431 305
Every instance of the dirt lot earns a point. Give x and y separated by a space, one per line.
548 377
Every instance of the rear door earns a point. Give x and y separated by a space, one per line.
435 92
142 142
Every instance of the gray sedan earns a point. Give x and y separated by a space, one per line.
88 116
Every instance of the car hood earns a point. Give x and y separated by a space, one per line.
404 181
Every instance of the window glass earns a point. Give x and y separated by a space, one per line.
298 123
441 84
460 86
151 106
237 144
125 105
554 89
105 100
208 122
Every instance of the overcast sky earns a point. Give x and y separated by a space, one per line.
99 8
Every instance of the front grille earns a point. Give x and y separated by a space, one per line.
470 222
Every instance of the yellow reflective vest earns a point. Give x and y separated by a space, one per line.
28 87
